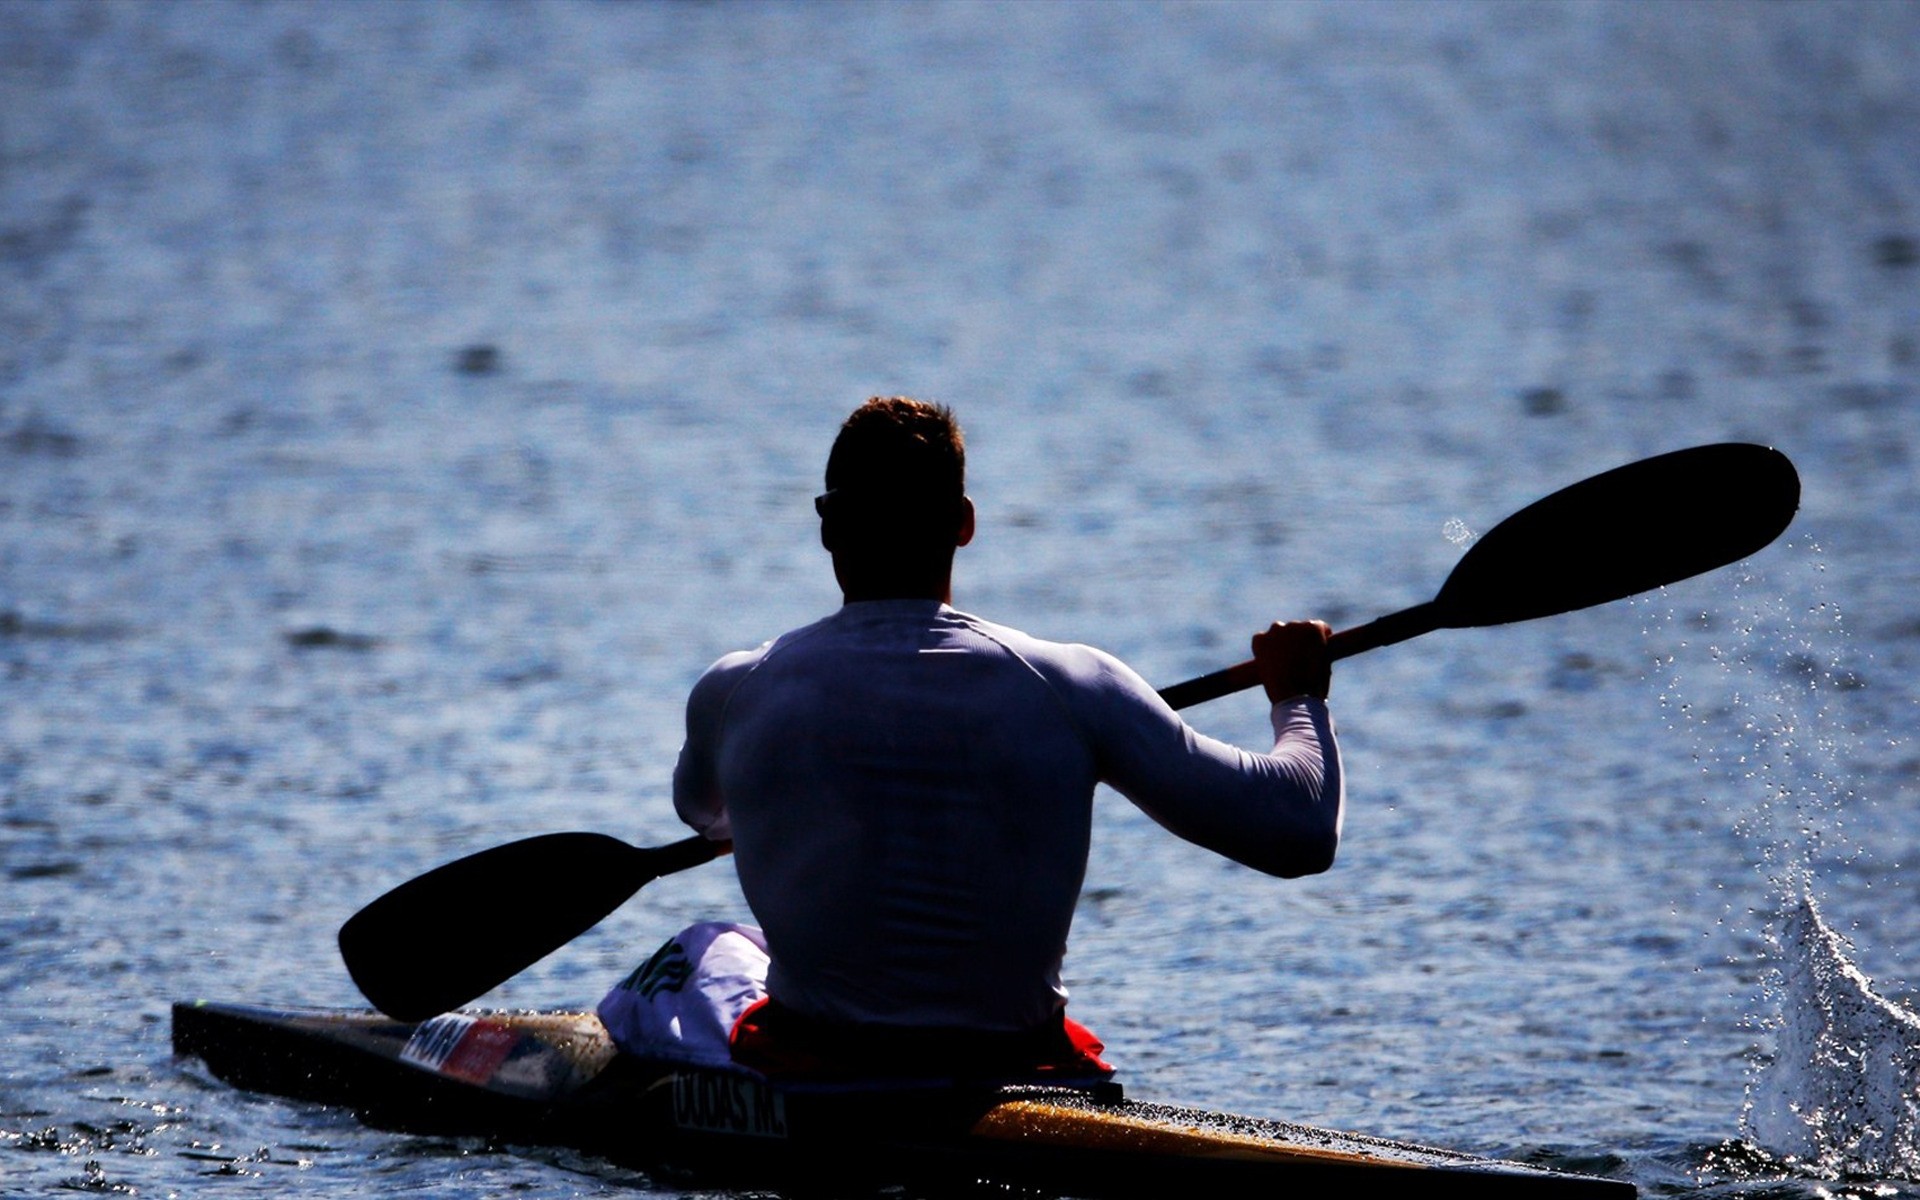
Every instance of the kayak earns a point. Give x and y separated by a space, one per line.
555 1079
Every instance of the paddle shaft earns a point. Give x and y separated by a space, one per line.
1394 627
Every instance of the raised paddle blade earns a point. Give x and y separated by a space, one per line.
1617 534
459 931
1627 531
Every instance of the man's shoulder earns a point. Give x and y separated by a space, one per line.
736 659
715 688
1071 661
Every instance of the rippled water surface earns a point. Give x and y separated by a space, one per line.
400 404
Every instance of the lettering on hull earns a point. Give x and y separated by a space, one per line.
732 1104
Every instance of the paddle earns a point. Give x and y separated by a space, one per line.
1617 534
436 942
463 929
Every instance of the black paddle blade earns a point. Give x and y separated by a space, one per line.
1623 532
1617 534
459 931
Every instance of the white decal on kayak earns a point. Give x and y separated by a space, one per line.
460 1046
434 1040
715 1103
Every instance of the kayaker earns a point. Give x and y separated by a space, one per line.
908 789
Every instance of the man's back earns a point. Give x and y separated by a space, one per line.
909 792
910 810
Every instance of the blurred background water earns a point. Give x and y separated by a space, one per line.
400 404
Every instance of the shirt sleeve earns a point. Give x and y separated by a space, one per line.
696 776
1280 812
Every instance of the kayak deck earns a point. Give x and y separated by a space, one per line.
556 1079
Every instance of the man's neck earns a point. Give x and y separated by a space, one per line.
854 595
857 585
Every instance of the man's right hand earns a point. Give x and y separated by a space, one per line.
1293 660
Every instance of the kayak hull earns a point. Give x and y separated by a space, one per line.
555 1079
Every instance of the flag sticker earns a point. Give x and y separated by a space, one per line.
460 1046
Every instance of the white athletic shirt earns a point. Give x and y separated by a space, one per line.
909 793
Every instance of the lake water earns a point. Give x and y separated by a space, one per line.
400 404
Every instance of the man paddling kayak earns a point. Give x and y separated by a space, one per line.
908 790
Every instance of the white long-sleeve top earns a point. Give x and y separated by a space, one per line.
909 793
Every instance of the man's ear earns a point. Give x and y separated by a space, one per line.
966 522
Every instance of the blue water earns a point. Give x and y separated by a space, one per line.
401 403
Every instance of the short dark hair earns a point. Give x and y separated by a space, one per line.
898 469
896 440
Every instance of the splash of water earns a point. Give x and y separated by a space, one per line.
1840 1094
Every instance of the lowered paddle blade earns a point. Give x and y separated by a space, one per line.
459 931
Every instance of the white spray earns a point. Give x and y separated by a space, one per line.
1840 1094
